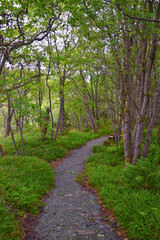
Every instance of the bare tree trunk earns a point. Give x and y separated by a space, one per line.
10 114
140 119
1 151
22 140
86 105
143 111
13 139
152 123
119 122
2 64
62 116
158 134
127 114
58 123
9 117
40 94
109 106
4 119
50 100
96 101
92 96
45 124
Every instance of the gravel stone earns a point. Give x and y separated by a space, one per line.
69 212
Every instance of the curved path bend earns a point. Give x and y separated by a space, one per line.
72 213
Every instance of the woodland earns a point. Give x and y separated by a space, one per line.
71 71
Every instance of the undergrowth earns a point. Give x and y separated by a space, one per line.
9 226
48 150
132 192
24 180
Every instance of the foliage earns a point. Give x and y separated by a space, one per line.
136 207
48 150
24 180
144 175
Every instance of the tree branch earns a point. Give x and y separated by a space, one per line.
20 85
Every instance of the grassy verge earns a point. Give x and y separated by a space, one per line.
48 150
132 193
24 180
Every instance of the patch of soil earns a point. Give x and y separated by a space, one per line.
28 224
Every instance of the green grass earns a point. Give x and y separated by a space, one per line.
48 150
9 225
24 180
132 193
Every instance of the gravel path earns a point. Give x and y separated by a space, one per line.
72 213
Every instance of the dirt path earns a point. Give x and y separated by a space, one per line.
72 213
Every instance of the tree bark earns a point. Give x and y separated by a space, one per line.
86 105
152 123
45 124
141 116
127 114
50 100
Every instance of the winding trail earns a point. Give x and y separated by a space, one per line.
72 213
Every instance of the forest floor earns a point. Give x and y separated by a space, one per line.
71 212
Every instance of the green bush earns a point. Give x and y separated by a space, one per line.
132 192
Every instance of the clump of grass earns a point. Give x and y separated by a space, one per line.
135 201
23 180
9 225
144 175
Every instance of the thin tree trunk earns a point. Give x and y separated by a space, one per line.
22 140
62 117
2 65
152 123
127 114
13 139
86 105
140 119
45 124
141 116
109 106
57 128
50 100
96 101
20 123
40 94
